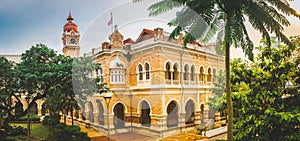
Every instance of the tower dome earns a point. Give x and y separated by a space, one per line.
70 25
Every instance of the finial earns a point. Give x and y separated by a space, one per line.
70 16
116 27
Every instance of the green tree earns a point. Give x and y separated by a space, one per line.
265 108
8 89
203 18
216 103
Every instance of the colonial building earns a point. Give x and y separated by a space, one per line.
157 86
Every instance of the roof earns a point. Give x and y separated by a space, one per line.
145 35
70 25
129 40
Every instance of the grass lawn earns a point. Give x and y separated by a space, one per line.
37 129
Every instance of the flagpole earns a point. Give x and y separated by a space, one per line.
112 22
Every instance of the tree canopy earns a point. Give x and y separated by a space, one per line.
265 105
62 82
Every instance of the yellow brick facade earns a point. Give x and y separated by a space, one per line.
158 92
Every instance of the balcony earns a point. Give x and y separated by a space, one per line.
186 82
192 82
168 82
176 82
201 83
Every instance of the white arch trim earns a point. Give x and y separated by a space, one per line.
178 66
87 107
193 100
112 109
165 64
140 105
173 99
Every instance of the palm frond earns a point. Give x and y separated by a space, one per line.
164 6
284 7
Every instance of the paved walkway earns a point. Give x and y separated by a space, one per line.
219 137
124 137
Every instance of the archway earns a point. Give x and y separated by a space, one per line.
19 108
44 109
172 118
202 112
119 116
34 108
90 112
190 112
100 114
145 114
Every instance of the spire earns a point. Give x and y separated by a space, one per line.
70 18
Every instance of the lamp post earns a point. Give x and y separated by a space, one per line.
107 99
130 96
28 116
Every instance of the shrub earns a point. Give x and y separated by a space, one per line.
3 134
51 120
33 118
17 130
69 133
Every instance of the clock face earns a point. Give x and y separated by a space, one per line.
72 41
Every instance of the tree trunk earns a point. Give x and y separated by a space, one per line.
28 122
72 115
228 95
65 117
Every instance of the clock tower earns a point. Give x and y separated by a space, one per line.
70 38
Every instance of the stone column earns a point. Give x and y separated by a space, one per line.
96 121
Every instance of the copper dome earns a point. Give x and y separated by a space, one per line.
70 25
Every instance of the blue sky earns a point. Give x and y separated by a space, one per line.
24 23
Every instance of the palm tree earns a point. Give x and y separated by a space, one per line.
204 18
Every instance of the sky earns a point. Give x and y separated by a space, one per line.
24 23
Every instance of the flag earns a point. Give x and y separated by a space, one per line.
110 21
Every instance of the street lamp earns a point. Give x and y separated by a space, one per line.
107 99
130 96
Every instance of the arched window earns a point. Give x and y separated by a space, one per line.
175 73
185 74
214 77
168 71
147 67
209 76
140 72
201 76
192 73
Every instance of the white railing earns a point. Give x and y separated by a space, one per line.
186 82
168 82
176 82
193 82
201 82
209 83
